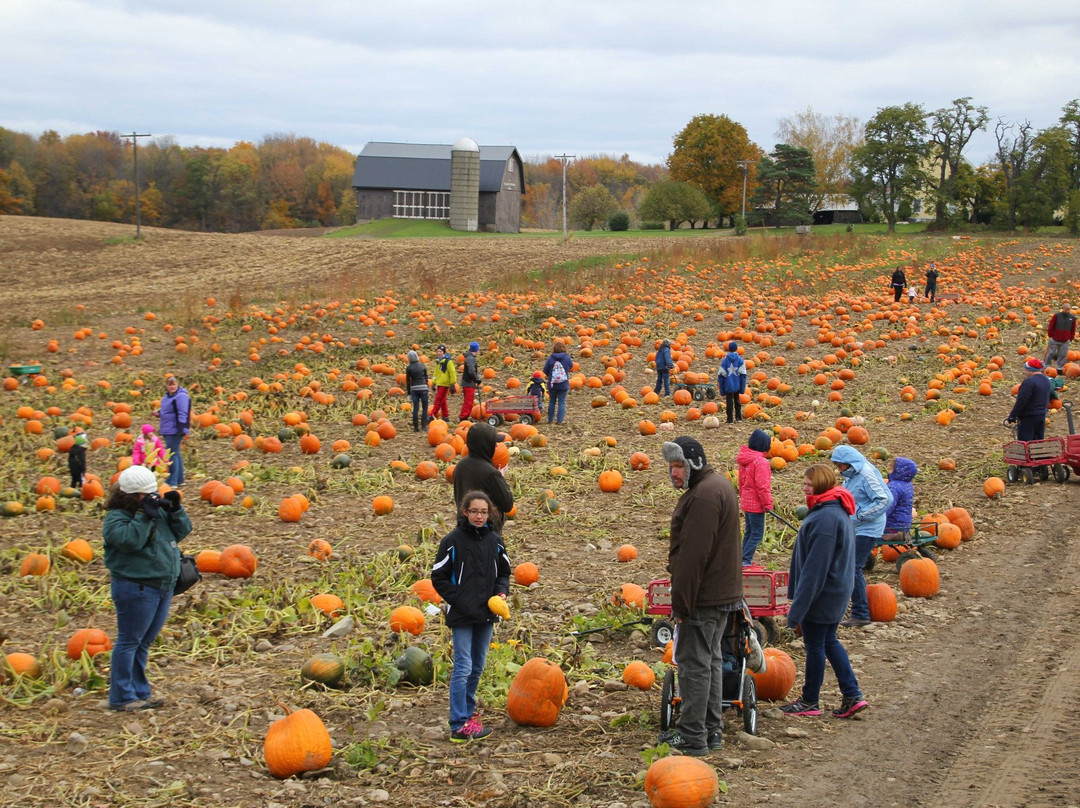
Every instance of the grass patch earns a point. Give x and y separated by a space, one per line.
110 242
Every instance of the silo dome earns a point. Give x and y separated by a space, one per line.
465 144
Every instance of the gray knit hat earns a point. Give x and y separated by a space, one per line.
412 356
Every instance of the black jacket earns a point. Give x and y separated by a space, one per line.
469 373
469 568
477 472
898 278
416 376
1032 399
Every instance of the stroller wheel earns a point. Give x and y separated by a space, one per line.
749 704
669 695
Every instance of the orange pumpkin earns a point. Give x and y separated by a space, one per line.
238 561
297 743
681 782
78 550
290 510
208 561
638 674
537 694
626 552
639 461
962 519
383 504
630 595
407 618
920 578
610 481
310 444
91 640
994 487
34 564
23 665
320 549
779 676
425 590
526 574
882 602
330 605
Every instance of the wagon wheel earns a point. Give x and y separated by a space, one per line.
698 394
749 704
710 393
1043 472
1027 476
526 419
904 557
1061 472
669 701
662 633
1012 474
495 419
925 551
766 630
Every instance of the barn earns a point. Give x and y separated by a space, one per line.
413 181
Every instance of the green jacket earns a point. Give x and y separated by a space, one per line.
145 550
445 372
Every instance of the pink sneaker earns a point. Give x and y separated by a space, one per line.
471 730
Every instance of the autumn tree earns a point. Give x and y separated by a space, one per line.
592 207
707 153
951 128
890 165
831 141
786 185
674 203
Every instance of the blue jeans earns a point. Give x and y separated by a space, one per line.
752 536
470 652
176 462
419 408
140 613
860 606
663 377
819 640
557 398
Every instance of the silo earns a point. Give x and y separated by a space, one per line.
464 185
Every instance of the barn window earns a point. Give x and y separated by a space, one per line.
421 205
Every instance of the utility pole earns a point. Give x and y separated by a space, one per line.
135 155
744 165
564 158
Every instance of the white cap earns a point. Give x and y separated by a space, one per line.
138 480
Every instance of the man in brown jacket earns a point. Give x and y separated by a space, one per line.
705 563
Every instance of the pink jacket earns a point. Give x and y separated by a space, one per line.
755 481
152 458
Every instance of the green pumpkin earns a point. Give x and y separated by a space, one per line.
285 434
342 461
416 666
70 493
550 505
60 432
327 669
802 511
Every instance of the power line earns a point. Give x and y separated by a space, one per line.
564 158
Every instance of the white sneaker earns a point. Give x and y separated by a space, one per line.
755 658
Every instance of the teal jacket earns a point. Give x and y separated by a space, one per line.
145 550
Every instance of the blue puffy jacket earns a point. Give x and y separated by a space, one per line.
175 413
732 375
898 519
872 497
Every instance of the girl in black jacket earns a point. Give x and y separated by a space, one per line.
470 567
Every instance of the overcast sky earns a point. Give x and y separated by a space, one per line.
581 76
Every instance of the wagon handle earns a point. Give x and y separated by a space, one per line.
1067 406
779 518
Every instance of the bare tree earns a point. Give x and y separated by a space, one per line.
951 129
1013 154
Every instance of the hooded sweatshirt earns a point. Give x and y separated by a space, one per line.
898 518
477 472
470 566
872 497
822 569
755 481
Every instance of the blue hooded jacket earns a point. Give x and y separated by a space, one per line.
872 497
731 377
898 519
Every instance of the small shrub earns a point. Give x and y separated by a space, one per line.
740 225
652 225
619 221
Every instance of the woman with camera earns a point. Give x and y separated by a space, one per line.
141 533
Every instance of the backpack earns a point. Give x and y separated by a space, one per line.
558 373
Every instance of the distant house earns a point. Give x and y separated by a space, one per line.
838 210
412 181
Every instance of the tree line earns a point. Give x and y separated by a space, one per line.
284 181
905 161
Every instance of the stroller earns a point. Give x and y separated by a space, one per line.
740 691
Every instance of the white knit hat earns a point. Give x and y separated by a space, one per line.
138 480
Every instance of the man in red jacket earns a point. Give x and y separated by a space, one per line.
706 587
1061 330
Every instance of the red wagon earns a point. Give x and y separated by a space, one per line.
1030 458
526 408
765 592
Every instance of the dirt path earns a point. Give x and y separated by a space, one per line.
981 705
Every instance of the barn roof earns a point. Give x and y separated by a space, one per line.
424 166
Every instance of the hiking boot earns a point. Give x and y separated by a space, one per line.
848 707
129 707
676 741
800 707
153 703
716 740
855 622
472 730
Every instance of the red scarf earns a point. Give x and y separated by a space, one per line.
839 492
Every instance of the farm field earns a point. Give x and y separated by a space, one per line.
974 693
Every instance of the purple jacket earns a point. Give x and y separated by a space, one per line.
175 413
898 517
